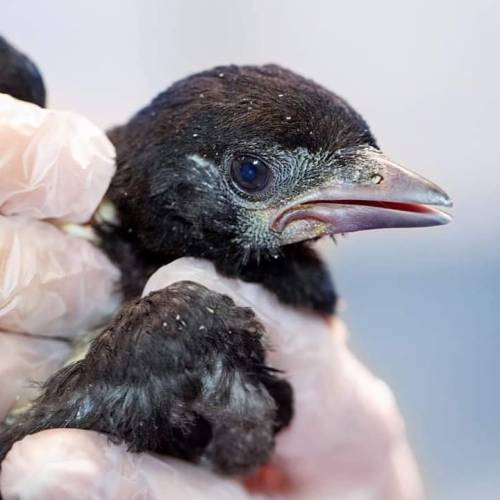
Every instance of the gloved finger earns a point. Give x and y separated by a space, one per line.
347 436
54 164
69 463
25 360
51 283
359 438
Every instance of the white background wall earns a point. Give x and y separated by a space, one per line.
423 305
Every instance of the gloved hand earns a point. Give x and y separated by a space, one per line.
347 439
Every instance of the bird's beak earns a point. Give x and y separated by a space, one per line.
389 196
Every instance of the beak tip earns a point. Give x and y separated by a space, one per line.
444 200
445 219
434 195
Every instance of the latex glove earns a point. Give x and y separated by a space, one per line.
53 165
347 440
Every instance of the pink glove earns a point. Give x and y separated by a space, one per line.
347 440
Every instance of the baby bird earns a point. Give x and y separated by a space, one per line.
243 166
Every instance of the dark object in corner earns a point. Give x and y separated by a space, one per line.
19 77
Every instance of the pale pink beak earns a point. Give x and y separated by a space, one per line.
393 197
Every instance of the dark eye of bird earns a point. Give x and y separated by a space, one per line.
250 174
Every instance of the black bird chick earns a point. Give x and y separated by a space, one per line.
242 166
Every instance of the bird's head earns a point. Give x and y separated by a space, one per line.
241 161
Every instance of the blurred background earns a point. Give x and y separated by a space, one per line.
422 305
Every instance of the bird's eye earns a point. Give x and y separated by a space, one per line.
250 174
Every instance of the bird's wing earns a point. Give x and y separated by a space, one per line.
181 372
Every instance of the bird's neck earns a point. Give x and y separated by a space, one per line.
297 276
